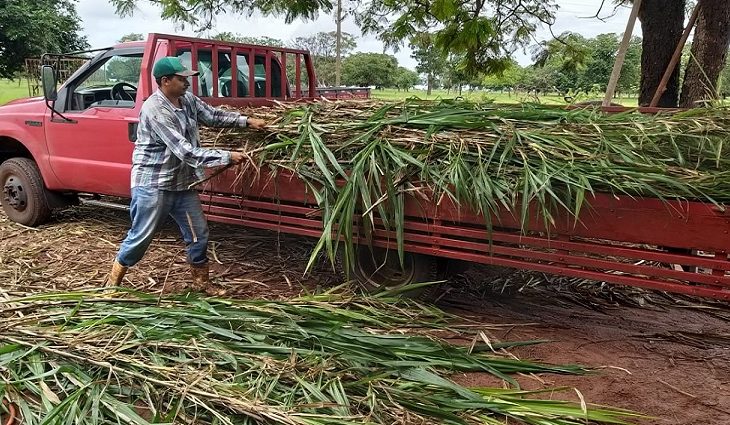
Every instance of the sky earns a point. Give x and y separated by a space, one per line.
103 28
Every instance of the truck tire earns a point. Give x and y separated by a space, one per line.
378 269
24 196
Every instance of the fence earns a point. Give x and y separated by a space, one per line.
65 67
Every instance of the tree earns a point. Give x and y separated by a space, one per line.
540 79
131 37
569 52
566 56
724 83
601 55
662 24
324 44
238 38
454 77
29 28
709 50
430 61
483 33
323 47
201 13
599 63
405 79
509 80
126 69
630 78
369 69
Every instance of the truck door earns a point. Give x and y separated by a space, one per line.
92 152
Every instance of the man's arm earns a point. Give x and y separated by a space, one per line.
213 117
164 125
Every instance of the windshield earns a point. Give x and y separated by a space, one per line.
118 69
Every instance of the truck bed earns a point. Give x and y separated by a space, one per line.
671 245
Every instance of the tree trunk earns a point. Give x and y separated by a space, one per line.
429 84
662 23
709 50
338 44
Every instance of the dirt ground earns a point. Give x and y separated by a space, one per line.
665 356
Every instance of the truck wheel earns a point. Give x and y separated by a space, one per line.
24 196
378 269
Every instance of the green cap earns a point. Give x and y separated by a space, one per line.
171 65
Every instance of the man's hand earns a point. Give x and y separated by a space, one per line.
237 157
255 123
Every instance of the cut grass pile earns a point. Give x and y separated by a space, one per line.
104 356
363 158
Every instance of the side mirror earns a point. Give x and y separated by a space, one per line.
48 79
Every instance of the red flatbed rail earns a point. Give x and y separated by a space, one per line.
618 239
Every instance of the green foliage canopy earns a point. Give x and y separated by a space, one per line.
132 36
483 33
29 28
369 69
322 46
238 38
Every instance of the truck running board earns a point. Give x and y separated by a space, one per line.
105 204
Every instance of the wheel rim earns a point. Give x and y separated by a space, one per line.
14 193
382 270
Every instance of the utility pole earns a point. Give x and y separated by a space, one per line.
338 44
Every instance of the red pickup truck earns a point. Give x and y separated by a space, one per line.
79 140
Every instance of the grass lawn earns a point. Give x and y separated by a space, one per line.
483 96
10 90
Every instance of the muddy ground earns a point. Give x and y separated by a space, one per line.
665 356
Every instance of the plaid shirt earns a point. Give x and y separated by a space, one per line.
167 154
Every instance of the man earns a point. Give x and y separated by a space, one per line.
167 160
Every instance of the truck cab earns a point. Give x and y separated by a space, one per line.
81 139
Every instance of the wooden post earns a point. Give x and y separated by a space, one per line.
676 57
621 55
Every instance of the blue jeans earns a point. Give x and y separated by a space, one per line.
149 209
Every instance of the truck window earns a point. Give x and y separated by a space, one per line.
110 83
205 80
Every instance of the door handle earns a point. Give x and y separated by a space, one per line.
132 131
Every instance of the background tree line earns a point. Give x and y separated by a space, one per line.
482 36
468 42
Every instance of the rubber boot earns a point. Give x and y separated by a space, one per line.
115 276
201 277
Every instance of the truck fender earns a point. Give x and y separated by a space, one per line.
34 143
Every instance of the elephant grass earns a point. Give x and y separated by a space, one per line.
363 158
106 356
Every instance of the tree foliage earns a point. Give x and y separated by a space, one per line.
431 62
133 36
123 69
323 47
512 78
29 28
323 44
581 68
201 14
483 33
405 79
238 38
369 69
599 64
